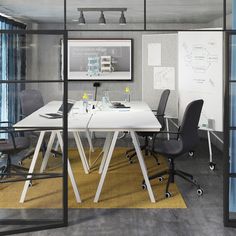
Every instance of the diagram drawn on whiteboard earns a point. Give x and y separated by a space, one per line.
199 58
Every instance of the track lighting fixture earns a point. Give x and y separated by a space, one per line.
81 18
102 19
122 20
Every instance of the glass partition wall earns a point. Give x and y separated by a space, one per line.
33 38
33 157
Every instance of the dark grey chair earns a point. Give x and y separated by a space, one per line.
31 100
14 148
160 115
187 139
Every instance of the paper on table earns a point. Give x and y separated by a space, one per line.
154 54
164 78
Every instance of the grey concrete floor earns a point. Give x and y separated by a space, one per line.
203 216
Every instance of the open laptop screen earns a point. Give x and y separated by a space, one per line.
69 106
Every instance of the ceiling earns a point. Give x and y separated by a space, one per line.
158 11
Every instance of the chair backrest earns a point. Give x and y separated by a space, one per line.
189 127
162 107
30 100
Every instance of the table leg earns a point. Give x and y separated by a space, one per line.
105 150
81 152
48 151
89 140
167 128
142 165
32 166
107 162
209 145
70 172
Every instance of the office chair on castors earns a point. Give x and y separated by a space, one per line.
15 149
31 100
160 115
187 139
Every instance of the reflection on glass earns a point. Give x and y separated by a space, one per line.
166 14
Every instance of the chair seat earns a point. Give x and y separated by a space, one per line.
21 143
169 147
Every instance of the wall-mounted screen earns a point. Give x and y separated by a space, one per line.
100 59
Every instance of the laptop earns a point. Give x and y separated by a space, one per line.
59 113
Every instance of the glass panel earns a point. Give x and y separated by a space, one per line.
89 19
26 128
26 107
42 14
30 57
232 181
232 198
230 16
232 104
184 14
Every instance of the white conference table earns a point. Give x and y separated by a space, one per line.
112 121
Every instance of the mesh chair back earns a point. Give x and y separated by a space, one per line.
189 126
162 107
31 100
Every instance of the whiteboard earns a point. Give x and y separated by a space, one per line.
200 73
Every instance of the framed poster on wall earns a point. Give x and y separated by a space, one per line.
100 59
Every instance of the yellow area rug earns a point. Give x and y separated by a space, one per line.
122 187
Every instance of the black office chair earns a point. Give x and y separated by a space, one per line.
31 100
187 139
14 148
160 114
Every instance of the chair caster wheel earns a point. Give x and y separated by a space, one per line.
130 161
30 184
199 192
168 194
191 153
212 166
160 179
144 186
20 163
54 155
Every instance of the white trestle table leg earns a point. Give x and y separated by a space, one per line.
107 162
32 165
105 150
70 173
89 141
81 152
48 151
142 165
209 145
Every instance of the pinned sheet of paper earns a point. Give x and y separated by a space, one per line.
164 78
154 54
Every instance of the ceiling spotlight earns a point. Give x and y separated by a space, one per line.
81 18
122 20
102 20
